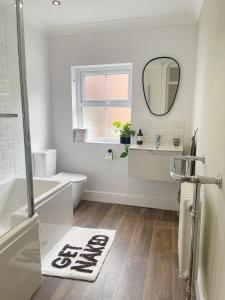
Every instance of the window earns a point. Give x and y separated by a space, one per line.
101 95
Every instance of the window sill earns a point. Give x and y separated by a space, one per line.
99 142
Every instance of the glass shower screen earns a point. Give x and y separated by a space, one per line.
15 170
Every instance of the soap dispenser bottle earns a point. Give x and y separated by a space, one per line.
140 137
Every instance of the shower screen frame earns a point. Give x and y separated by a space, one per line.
25 106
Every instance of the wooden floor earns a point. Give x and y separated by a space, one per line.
142 263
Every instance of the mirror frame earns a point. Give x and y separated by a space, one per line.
144 87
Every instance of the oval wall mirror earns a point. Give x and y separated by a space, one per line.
160 80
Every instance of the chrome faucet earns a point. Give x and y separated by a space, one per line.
157 140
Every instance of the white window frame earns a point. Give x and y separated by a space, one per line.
78 73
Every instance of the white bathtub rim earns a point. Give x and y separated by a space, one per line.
61 184
13 179
40 199
22 211
7 180
44 197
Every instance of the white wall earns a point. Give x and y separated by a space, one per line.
209 112
38 84
136 46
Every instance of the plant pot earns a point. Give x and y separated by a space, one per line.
125 140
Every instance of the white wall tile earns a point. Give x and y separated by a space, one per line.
7 149
167 129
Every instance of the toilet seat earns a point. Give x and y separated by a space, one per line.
71 177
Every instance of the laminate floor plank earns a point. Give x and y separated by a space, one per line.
112 219
103 288
95 213
48 287
132 279
166 218
159 277
179 285
141 265
141 240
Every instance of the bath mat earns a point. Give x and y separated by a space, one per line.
80 254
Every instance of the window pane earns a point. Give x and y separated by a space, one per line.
94 87
122 114
117 87
95 120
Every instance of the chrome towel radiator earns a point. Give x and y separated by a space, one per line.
195 211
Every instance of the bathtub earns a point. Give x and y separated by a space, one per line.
20 263
22 239
53 204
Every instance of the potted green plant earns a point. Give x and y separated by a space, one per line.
125 134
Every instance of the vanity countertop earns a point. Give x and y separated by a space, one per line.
152 147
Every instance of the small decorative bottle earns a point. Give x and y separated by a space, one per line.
140 137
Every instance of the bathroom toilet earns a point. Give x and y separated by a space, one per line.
78 182
45 166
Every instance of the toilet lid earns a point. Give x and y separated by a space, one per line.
71 177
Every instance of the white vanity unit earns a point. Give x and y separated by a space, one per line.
150 162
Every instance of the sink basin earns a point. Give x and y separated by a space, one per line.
148 162
152 147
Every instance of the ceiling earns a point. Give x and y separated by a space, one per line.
74 12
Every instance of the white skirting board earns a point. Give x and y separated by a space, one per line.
128 199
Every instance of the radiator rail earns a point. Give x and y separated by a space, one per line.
197 181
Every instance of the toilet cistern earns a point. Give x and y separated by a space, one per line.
45 166
157 140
